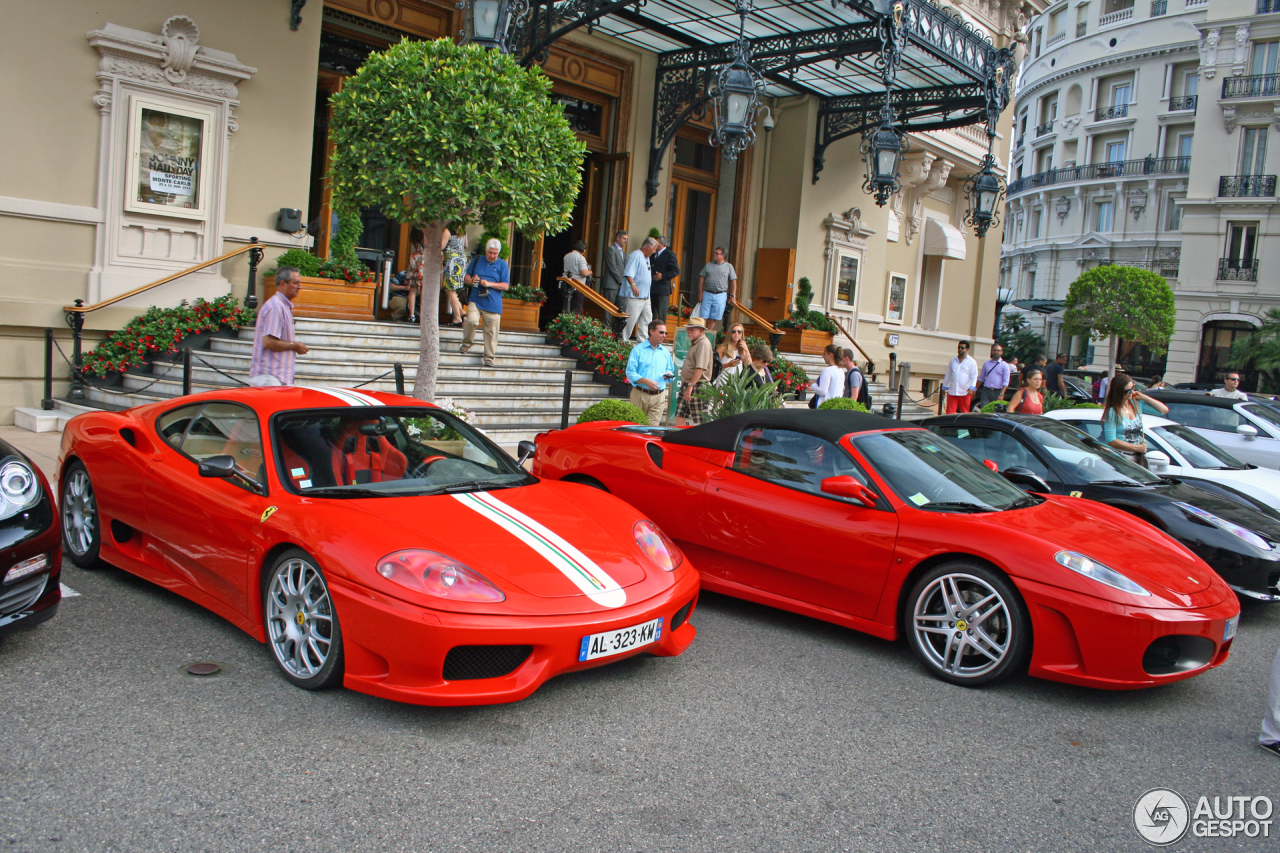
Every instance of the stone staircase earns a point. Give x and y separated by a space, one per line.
880 393
518 398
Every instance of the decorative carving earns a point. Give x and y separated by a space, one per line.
180 37
232 125
1137 200
848 227
1209 53
138 70
1170 253
295 13
1229 118
1070 122
103 96
1062 206
1242 43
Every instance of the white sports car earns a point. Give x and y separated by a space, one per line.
1179 451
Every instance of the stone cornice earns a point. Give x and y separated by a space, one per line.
1189 46
170 59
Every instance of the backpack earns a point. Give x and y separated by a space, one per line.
864 393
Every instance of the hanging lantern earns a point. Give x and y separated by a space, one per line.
883 151
736 96
984 191
488 22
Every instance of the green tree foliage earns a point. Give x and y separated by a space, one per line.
613 410
1121 302
1018 341
432 132
803 317
1261 351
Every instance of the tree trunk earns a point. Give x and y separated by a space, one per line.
424 387
1113 344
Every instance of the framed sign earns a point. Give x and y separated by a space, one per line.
847 279
897 297
169 150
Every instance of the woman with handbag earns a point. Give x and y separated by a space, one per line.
1029 400
1122 418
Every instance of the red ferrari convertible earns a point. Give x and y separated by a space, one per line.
372 540
884 528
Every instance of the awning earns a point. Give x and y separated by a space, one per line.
1040 306
943 239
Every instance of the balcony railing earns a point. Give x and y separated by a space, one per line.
1042 129
1055 38
1266 6
1187 102
1159 7
1118 111
1191 3
1082 28
1246 186
1251 86
1115 17
1237 269
1103 171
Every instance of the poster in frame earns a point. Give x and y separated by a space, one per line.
169 154
896 298
848 266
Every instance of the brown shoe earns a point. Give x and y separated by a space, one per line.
464 348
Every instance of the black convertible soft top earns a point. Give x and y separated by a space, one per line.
830 424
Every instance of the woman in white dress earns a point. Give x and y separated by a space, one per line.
831 381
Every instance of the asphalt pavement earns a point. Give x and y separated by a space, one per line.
772 733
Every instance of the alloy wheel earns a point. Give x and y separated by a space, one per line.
962 626
300 619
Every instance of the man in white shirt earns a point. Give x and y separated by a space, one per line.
961 379
1231 390
636 282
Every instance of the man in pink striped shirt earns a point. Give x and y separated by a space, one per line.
274 349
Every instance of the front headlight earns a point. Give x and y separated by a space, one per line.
1243 532
657 546
1090 568
19 487
437 575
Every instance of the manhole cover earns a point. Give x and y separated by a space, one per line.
204 669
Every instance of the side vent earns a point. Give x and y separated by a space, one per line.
654 449
127 435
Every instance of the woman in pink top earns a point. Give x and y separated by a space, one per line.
1029 400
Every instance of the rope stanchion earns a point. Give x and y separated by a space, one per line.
234 379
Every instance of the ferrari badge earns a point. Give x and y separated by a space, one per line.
267 513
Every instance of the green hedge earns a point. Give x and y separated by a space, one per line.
613 410
844 404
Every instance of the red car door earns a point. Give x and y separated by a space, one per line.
776 531
208 527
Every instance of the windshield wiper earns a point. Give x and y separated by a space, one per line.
342 492
1133 484
1025 500
474 485
961 506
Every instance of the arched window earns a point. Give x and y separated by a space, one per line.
1074 95
1216 339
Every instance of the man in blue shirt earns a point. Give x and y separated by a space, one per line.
649 369
636 281
487 277
993 377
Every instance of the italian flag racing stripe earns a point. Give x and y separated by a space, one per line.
580 569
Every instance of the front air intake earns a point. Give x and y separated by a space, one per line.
467 663
1177 653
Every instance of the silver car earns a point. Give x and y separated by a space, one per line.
1249 431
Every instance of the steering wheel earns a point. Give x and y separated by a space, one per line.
421 467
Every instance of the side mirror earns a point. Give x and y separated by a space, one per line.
220 467
1249 431
993 466
1026 479
848 487
1158 461
526 450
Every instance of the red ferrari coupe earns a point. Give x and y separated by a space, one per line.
372 540
885 528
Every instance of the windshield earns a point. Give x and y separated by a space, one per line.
1196 449
371 452
1086 460
932 474
1263 413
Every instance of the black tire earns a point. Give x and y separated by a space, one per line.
296 605
942 609
81 520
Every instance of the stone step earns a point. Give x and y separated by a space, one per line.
401 345
543 358
345 375
305 325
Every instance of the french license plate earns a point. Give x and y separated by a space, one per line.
1232 624
619 641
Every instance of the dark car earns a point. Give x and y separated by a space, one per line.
30 544
1240 541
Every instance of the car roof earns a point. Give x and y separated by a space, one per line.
1096 415
831 424
989 419
268 401
1196 398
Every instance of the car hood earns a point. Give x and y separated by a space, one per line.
1145 555
1264 525
538 539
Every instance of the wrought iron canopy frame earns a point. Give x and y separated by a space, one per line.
944 70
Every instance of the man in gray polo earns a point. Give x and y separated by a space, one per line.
717 288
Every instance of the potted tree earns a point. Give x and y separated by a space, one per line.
447 148
806 331
339 287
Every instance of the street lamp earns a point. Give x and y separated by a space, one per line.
489 21
737 96
984 191
883 152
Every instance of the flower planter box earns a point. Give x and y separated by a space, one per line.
617 387
520 316
805 341
331 299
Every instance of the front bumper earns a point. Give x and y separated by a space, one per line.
398 650
1098 643
34 599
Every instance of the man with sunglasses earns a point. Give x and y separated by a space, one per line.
960 380
649 370
1231 389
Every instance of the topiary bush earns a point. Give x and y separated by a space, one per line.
994 406
613 410
846 404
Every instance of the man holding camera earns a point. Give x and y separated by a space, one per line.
487 277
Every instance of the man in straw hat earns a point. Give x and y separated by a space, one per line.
696 372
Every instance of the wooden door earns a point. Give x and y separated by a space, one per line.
775 275
692 227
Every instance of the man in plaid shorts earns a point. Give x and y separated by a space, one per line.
692 409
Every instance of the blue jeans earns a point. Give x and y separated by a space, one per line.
713 305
